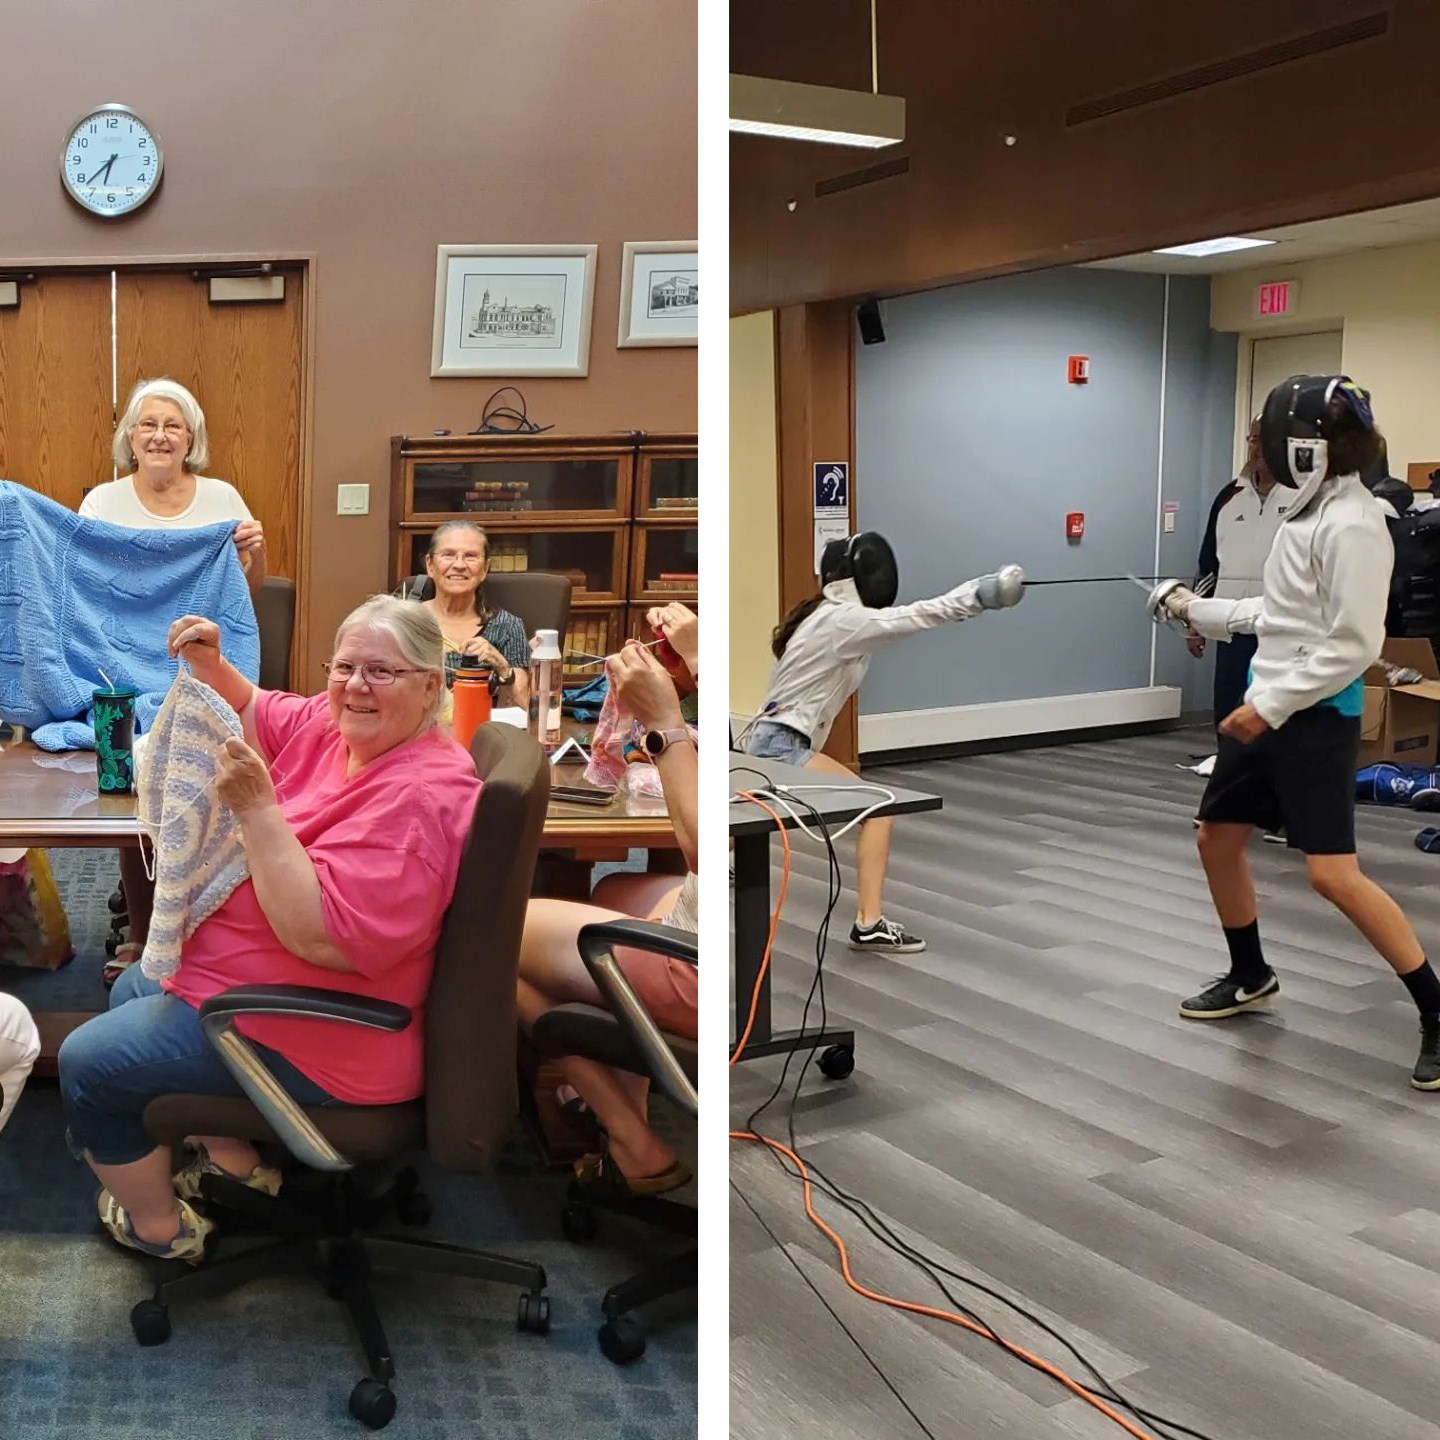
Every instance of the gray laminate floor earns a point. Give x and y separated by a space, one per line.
1239 1222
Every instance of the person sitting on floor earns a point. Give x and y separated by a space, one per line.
636 1160
19 1050
353 809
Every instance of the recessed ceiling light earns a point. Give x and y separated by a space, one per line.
788 111
1214 247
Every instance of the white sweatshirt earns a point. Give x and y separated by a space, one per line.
829 653
1321 620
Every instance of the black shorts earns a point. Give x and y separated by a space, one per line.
1300 777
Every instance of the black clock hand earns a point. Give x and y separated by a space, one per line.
104 169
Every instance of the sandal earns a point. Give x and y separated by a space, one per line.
599 1178
125 956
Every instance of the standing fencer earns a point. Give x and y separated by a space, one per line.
822 651
1288 753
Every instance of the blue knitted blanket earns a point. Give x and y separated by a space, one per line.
80 596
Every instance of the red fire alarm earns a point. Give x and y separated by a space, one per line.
1079 369
1075 525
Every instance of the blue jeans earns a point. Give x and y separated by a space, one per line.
148 1043
772 741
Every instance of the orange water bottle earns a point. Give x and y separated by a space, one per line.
472 700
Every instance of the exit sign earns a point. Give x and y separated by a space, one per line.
1279 297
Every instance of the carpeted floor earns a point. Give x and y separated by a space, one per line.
277 1361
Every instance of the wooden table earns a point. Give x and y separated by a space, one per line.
50 801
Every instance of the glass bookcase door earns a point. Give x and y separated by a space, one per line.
669 563
549 487
672 485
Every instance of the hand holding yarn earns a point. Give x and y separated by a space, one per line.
242 779
196 640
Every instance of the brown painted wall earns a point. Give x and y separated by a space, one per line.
1324 135
365 133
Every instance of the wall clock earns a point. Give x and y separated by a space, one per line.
111 163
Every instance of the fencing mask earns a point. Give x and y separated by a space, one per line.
868 560
1299 417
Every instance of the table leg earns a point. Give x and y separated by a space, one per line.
752 925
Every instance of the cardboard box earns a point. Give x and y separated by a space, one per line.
1401 723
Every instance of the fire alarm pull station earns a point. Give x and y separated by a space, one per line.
1075 525
1079 369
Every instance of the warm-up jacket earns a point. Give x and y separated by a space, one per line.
1321 619
829 653
1238 537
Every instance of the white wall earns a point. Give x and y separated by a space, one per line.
1388 304
754 508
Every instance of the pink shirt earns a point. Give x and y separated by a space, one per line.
386 848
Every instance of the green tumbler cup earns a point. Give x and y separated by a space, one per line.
115 740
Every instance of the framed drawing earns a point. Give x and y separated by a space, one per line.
513 309
659 293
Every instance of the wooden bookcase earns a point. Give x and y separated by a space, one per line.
616 513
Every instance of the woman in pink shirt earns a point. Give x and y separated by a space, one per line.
353 809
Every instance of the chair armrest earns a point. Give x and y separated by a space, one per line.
299 1134
595 944
307 1000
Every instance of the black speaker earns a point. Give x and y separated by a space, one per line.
872 328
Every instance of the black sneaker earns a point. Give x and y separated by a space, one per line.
884 935
1274 837
1426 1074
1229 997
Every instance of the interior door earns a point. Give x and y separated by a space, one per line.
1274 358
56 416
242 361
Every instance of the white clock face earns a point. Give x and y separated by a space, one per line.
111 163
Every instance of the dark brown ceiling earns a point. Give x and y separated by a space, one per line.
1304 136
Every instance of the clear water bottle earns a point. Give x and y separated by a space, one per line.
546 664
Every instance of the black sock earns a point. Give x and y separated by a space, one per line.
1247 964
1424 987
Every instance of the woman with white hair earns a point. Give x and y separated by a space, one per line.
162 442
353 809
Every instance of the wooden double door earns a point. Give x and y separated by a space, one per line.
79 340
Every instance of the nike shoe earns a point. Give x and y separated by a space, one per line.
886 936
1426 1075
1228 997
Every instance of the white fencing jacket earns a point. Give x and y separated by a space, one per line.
1321 619
828 655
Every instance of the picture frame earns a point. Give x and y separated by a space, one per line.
659 293
513 310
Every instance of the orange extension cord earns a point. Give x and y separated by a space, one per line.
894 1303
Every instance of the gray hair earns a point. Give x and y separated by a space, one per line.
412 627
162 389
457 525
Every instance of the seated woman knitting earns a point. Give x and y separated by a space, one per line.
351 810
636 1161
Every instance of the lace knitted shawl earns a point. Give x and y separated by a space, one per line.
198 856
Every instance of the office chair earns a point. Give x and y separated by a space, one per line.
469 1106
624 1036
542 601
275 614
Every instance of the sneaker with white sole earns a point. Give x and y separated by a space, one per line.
188 1244
1228 997
884 936
187 1179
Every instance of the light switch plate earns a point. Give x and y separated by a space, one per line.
352 500
1169 523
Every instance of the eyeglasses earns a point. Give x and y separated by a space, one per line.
340 672
171 429
449 557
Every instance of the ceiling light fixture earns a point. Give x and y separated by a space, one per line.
786 110
1221 246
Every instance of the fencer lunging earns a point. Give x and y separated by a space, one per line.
1288 753
822 650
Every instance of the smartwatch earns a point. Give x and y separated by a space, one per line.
657 742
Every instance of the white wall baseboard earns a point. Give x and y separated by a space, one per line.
1004 719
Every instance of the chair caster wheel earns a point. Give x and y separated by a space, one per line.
413 1209
372 1403
112 944
578 1223
150 1320
116 902
837 1063
622 1340
534 1314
